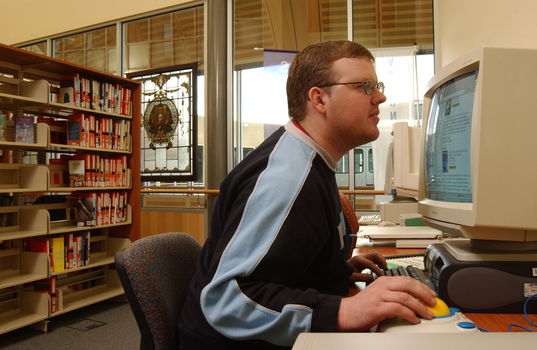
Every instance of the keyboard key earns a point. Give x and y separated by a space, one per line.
409 270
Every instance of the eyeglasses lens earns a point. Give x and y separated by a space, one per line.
370 87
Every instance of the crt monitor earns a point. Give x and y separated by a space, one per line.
478 172
402 164
402 167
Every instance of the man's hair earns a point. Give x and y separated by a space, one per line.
313 67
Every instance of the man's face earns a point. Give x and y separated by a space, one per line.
353 114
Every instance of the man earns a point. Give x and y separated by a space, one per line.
274 264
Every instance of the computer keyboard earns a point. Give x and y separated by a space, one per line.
411 271
370 219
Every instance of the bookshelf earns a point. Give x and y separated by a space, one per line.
29 85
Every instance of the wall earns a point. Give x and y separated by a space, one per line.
160 221
463 25
31 19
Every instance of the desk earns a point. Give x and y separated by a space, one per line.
491 322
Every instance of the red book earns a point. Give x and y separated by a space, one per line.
40 246
47 285
70 263
121 170
45 120
75 130
100 205
127 102
78 252
91 126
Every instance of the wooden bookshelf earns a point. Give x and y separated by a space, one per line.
29 85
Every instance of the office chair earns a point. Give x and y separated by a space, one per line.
350 217
155 272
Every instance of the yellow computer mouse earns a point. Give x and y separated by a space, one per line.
440 309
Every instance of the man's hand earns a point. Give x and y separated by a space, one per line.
370 260
385 298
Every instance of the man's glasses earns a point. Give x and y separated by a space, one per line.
369 85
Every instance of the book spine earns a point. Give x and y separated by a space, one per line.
3 128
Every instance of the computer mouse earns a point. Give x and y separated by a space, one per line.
387 224
440 309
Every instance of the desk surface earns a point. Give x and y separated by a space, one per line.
491 322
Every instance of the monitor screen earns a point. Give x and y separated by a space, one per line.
448 141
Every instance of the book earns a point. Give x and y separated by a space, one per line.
70 261
58 254
86 208
77 173
46 285
5 201
84 238
75 130
38 245
24 129
52 304
86 158
3 128
77 252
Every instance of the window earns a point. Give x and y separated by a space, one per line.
96 49
39 48
358 161
166 40
169 124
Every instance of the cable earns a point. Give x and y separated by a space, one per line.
516 325
526 315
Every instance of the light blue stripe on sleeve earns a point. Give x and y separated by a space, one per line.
225 307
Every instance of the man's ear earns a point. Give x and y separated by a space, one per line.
316 97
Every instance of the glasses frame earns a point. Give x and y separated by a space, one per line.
369 85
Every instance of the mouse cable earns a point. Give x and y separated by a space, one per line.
527 318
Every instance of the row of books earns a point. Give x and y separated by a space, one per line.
99 208
67 251
95 95
98 132
90 170
23 130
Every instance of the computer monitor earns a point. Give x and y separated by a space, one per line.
402 167
405 154
478 172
